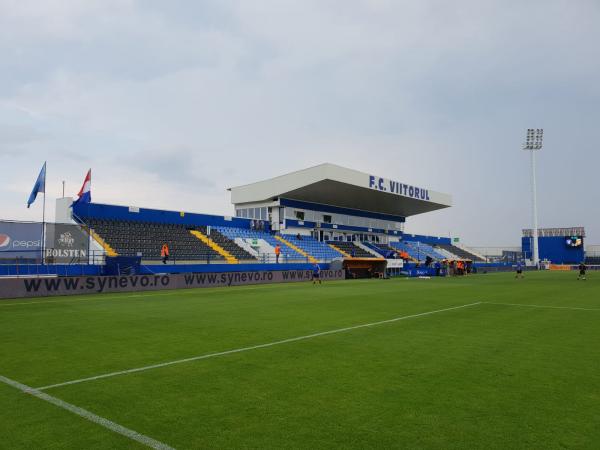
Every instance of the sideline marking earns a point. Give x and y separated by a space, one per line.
253 347
112 426
542 306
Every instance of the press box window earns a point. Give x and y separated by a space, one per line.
299 215
326 218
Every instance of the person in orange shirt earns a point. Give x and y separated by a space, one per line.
277 252
164 253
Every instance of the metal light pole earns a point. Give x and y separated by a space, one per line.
533 142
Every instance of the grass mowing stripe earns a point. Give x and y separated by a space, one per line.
254 347
112 426
542 306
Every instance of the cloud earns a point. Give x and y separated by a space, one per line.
170 103
176 166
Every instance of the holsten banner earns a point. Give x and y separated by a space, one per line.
43 287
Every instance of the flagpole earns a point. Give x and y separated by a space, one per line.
88 218
44 217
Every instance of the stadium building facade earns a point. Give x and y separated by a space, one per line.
332 203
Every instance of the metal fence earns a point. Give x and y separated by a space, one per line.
500 254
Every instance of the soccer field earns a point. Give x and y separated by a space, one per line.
482 361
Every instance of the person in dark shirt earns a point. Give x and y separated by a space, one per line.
316 274
519 269
582 269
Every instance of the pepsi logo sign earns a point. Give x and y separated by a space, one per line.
4 240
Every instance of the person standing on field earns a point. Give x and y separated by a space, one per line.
519 269
316 275
582 269
164 253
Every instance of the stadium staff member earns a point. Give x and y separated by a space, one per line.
582 269
164 253
277 252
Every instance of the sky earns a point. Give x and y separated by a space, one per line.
170 103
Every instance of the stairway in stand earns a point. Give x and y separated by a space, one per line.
216 247
294 247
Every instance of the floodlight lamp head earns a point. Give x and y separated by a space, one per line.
534 139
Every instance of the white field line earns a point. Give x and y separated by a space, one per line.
112 426
253 347
574 308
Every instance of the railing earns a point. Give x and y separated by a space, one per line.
51 262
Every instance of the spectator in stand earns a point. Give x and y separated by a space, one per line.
164 253
277 253
299 236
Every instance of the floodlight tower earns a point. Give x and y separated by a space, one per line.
533 142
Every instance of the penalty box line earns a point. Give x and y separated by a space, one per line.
108 424
253 347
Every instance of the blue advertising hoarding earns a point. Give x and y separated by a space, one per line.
20 240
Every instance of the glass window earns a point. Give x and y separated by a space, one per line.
326 218
299 215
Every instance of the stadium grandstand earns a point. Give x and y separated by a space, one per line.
319 214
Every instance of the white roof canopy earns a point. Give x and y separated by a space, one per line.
338 186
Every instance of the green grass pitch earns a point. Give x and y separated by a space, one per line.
490 375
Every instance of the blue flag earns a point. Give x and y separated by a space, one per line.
39 186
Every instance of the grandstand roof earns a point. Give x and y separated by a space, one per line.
334 185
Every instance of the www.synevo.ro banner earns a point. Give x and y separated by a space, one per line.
41 287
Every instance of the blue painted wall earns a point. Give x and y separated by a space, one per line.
431 240
338 210
84 269
211 268
554 249
71 270
100 211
